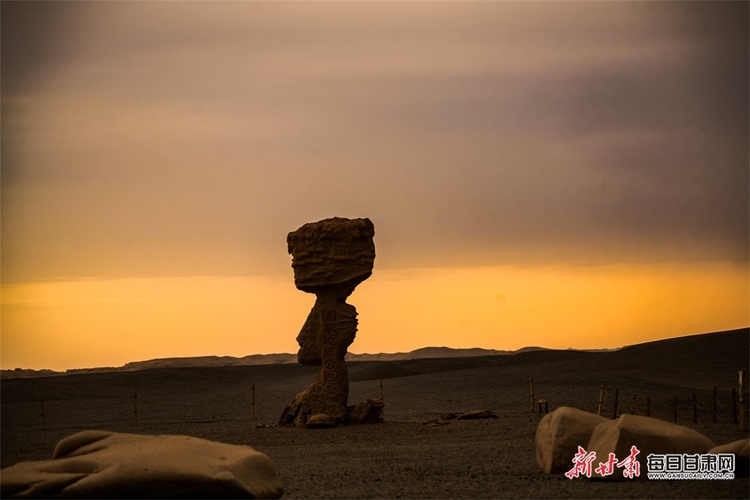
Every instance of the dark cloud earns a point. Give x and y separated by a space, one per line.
34 36
189 138
29 40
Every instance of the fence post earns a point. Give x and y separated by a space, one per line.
742 399
675 410
599 405
715 401
648 406
135 408
382 399
695 410
253 416
41 401
614 413
531 392
742 414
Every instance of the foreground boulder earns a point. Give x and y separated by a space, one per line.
648 435
741 450
100 464
559 435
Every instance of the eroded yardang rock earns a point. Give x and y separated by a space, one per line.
330 258
100 464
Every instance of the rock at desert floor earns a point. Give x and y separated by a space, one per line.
559 435
477 414
100 464
741 450
648 435
319 421
367 412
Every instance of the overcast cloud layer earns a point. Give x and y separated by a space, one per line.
181 138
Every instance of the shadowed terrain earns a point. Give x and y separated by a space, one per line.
403 457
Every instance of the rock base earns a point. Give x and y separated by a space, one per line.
367 412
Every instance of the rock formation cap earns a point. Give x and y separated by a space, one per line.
332 252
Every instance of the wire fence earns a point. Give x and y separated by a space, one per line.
679 409
403 402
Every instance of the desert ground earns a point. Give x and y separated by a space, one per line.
403 457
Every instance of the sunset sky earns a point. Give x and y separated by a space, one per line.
560 174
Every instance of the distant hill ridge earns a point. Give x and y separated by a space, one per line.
263 359
268 359
423 353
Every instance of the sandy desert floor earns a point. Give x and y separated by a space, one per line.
403 457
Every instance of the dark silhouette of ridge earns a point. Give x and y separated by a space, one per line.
699 354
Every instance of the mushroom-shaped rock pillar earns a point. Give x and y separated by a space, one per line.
330 258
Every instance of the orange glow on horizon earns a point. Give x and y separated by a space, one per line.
87 323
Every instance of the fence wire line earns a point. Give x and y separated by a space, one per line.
393 395
372 394
19 410
195 420
419 410
94 423
635 408
670 403
243 407
273 396
19 424
228 398
400 393
159 412
68 407
453 401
